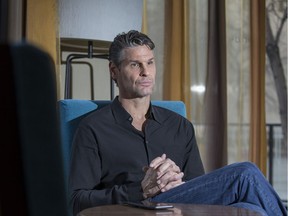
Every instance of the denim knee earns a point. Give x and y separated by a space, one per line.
248 167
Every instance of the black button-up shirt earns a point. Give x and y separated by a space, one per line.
108 153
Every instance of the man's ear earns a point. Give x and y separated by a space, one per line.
113 70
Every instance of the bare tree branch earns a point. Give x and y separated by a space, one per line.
283 20
274 57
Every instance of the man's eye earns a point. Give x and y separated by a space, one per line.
150 62
135 65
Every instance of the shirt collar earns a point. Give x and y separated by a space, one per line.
121 115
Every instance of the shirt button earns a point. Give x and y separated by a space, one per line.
146 142
130 119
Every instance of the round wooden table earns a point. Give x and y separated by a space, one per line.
178 210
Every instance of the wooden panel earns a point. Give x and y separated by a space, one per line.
258 141
42 28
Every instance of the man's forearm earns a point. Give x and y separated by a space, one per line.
82 199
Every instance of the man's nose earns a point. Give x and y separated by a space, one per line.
144 71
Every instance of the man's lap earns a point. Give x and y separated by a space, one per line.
200 189
222 187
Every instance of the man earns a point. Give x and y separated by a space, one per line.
133 151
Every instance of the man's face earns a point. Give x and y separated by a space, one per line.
136 73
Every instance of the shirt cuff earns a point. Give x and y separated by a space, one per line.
135 192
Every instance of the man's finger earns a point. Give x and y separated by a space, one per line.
145 168
168 165
157 161
172 185
169 177
172 182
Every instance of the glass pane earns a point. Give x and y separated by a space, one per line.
276 95
198 65
238 79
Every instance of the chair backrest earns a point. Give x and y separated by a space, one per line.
72 111
31 158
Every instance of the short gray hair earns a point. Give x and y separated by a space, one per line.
124 40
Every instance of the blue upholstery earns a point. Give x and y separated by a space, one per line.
72 111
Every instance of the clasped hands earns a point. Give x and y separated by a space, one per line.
162 174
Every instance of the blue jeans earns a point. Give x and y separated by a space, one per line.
239 185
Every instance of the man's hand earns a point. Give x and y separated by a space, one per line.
161 175
149 183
